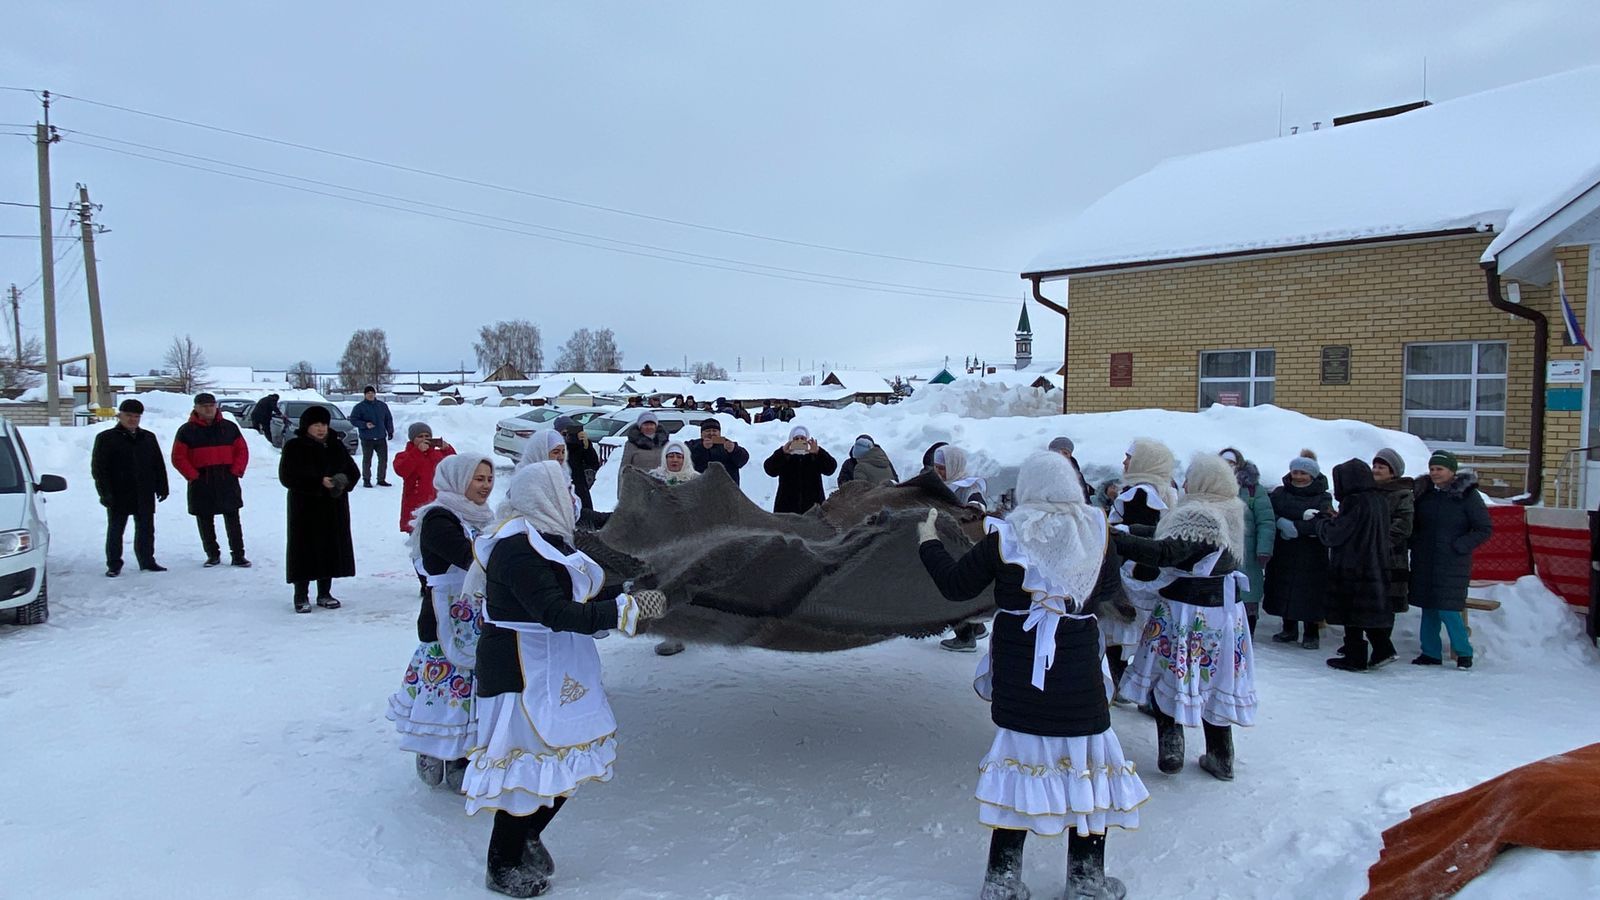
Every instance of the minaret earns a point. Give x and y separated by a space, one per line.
1024 340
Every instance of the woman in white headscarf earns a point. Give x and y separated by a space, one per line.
1146 495
1055 764
433 710
543 445
676 465
799 466
1195 659
950 463
544 724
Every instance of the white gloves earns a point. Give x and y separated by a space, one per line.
1309 515
638 606
1287 529
925 529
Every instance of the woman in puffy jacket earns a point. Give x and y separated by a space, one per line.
1297 575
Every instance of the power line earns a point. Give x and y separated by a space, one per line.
29 205
911 290
526 193
63 255
35 237
526 224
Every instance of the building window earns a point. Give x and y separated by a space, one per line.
1455 393
1237 377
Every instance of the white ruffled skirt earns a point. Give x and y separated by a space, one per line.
1197 663
1047 785
435 710
516 771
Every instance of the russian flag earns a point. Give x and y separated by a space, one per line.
1574 330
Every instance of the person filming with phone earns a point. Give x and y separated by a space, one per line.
799 466
415 465
714 448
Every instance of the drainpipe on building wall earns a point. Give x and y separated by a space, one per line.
1541 354
1066 341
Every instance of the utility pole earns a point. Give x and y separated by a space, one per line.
91 277
16 324
43 137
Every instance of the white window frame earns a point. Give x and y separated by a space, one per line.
1252 379
1471 413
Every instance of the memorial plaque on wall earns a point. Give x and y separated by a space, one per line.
1122 370
1336 364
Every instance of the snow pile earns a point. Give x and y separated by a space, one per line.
975 398
1531 620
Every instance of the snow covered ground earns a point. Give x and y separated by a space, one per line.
185 734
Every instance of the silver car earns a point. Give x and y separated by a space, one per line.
511 435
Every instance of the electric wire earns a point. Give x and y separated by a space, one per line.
458 179
913 291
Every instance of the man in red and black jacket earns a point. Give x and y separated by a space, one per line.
211 455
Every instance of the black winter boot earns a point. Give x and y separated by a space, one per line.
508 871
1086 869
430 770
1169 741
1003 880
1218 758
455 771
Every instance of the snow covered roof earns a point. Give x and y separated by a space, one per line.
859 382
1470 164
1525 249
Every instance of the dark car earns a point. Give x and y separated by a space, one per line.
287 423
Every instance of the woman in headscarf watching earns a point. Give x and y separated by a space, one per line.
1195 659
950 464
544 724
1260 528
1146 494
868 462
1055 764
1297 576
543 445
1358 567
318 473
799 466
676 468
433 709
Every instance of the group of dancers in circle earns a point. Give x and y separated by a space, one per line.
503 700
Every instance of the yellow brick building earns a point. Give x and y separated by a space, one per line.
1348 274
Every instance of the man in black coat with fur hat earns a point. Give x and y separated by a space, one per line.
131 478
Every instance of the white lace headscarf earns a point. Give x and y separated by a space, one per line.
1063 536
1210 509
451 479
1151 462
539 446
541 492
954 460
687 473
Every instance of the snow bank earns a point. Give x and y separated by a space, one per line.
1530 621
978 399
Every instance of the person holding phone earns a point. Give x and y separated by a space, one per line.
415 465
799 466
714 448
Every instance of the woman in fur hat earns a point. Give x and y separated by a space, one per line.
1055 765
318 473
1297 576
1195 659
1389 471
1146 495
544 724
433 711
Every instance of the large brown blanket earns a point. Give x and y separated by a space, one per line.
844 575
1553 804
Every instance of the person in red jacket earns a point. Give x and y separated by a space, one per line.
415 465
210 453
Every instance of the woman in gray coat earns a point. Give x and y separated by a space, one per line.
1260 530
1451 521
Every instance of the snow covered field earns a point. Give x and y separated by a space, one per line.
185 734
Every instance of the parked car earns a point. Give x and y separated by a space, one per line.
611 431
238 407
24 533
287 423
510 435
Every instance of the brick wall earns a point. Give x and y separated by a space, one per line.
1375 299
30 413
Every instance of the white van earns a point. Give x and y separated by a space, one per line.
24 534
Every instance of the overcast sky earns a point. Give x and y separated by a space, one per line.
953 132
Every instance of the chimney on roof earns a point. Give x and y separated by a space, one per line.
1384 113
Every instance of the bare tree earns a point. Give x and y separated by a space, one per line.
186 364
708 371
302 375
604 355
328 385
576 353
365 360
20 369
517 343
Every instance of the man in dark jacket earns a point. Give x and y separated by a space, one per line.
375 427
1450 522
582 460
714 448
210 453
261 414
131 479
